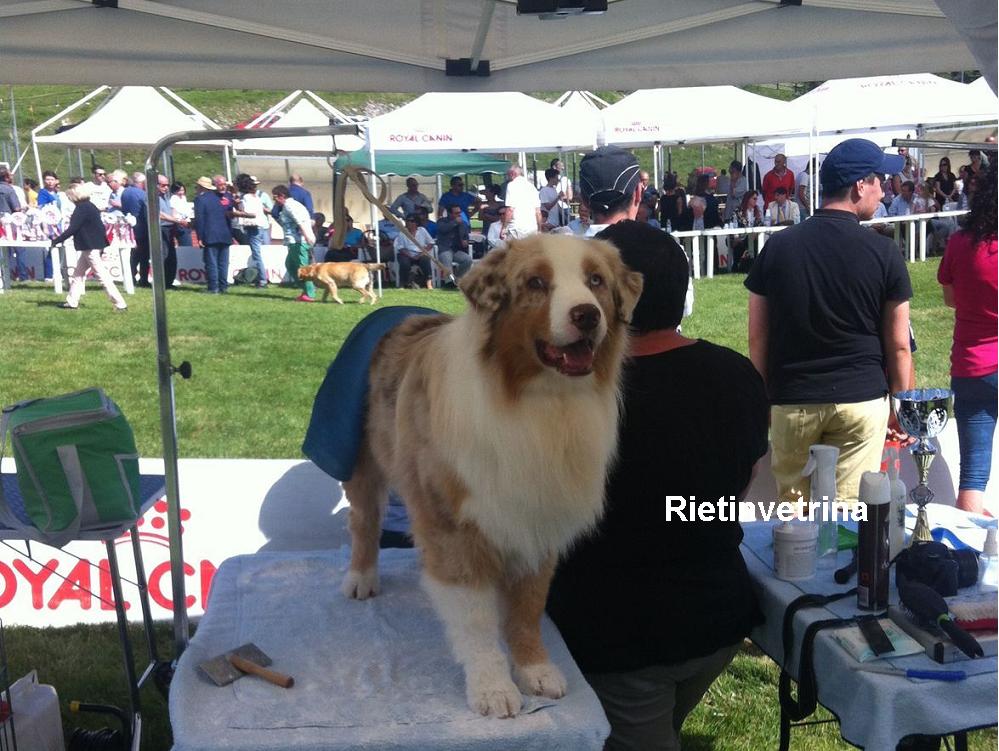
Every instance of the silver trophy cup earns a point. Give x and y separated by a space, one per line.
923 413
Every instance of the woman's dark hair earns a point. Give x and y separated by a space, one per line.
177 187
745 200
981 221
244 183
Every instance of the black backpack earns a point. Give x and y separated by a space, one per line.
249 275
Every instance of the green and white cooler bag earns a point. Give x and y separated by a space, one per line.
77 465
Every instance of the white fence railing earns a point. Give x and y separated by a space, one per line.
912 226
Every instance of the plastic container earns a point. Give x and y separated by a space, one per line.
794 550
821 468
988 563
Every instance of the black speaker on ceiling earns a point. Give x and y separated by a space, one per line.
560 7
462 66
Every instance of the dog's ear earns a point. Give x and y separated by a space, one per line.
627 291
485 284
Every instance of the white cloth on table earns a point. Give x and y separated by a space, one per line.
875 711
372 675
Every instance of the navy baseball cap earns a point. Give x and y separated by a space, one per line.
606 175
854 159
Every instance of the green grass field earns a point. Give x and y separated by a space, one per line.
258 359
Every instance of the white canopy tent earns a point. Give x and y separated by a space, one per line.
662 117
892 102
883 108
349 46
298 109
132 117
494 122
700 114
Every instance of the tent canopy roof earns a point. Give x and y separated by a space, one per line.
402 45
499 121
894 102
134 116
697 114
436 163
302 113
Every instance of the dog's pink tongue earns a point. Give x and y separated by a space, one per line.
577 358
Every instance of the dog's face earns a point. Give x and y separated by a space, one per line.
554 303
308 271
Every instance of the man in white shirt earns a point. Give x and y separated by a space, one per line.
564 188
502 230
100 191
408 253
549 197
522 197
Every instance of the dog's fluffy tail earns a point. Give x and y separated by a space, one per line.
375 266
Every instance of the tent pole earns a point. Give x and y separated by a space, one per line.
228 166
13 126
79 158
669 158
374 218
702 155
656 157
38 163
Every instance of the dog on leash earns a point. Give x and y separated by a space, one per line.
497 427
359 276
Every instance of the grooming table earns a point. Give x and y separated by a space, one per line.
151 488
375 675
874 711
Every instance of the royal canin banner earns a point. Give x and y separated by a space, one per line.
228 507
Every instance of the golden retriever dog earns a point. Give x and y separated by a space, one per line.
497 428
359 276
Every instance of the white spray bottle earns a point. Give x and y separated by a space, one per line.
896 523
821 468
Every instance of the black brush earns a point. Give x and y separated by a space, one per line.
926 604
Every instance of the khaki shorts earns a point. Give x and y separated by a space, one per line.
856 429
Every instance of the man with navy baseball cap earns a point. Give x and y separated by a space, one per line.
828 318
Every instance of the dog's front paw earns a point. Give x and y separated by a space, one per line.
494 696
540 679
360 585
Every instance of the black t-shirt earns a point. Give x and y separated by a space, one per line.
643 590
826 281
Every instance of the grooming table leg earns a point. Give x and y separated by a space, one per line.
126 644
140 580
785 731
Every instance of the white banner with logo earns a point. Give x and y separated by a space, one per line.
228 507
191 263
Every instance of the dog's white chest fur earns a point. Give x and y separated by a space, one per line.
535 469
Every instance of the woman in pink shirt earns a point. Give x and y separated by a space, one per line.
968 273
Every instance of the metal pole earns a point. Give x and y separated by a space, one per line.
165 371
13 127
374 217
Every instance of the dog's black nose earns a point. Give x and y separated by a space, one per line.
585 317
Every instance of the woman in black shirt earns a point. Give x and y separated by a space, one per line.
945 183
89 239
